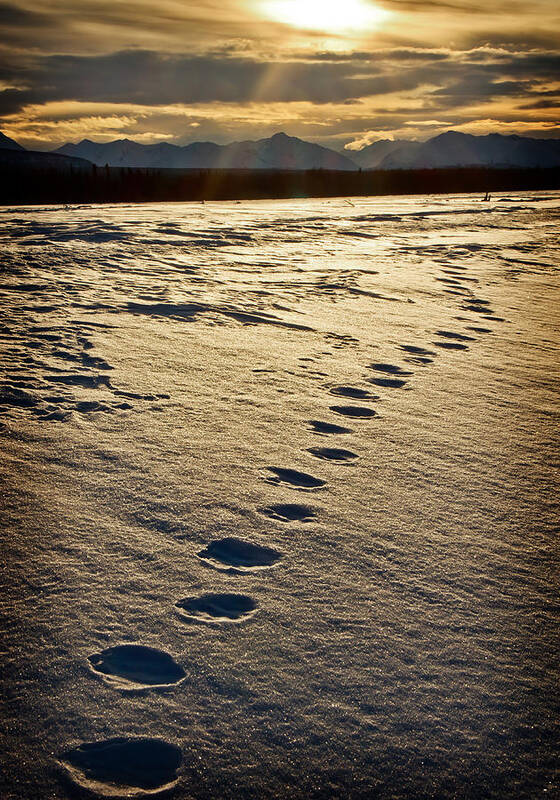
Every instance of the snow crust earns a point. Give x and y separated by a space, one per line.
186 425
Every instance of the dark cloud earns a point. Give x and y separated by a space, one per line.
480 87
541 104
534 64
13 100
415 55
328 55
403 54
16 17
529 39
148 78
156 79
473 79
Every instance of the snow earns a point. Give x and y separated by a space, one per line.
187 424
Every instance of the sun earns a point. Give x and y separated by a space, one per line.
333 16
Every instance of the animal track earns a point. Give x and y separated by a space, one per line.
289 512
478 306
133 666
327 427
390 369
359 412
124 767
389 383
417 355
299 480
235 555
420 360
459 336
217 608
332 453
451 345
419 351
353 392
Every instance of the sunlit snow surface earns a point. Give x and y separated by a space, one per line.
327 428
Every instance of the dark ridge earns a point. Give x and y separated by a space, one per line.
289 512
87 381
332 453
18 398
85 406
300 480
327 427
94 362
236 553
358 412
137 767
189 311
136 666
217 607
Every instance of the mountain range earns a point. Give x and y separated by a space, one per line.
453 149
277 152
282 152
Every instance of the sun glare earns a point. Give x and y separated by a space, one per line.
333 16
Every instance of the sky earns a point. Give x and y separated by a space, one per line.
342 74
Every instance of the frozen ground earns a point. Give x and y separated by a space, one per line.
279 508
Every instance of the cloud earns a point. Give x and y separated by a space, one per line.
13 100
135 68
160 79
14 16
152 78
541 104
371 56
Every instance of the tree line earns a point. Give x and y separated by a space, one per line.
32 185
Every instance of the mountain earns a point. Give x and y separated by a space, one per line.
454 149
451 149
277 152
371 156
125 153
14 159
283 152
8 144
